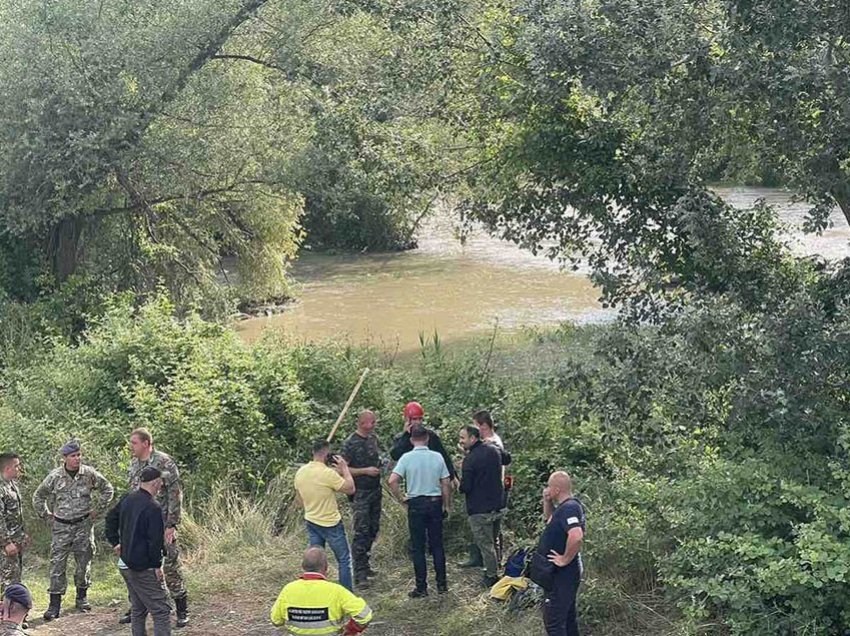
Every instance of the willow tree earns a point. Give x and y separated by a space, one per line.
124 154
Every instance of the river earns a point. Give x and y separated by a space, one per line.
459 290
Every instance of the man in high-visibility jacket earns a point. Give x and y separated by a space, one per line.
313 605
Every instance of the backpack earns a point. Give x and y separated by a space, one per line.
516 563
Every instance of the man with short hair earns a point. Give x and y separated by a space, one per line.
13 538
69 499
170 500
561 544
136 531
428 500
484 422
317 485
481 482
414 417
315 606
362 452
17 602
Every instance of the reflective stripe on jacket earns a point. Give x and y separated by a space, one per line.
313 605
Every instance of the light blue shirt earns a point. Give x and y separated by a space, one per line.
422 469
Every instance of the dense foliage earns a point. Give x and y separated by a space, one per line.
711 451
141 143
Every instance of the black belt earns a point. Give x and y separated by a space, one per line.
427 498
71 522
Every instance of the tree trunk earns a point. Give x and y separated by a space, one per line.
63 247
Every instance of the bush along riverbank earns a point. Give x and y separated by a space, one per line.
710 452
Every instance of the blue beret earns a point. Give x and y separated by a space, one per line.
19 594
70 447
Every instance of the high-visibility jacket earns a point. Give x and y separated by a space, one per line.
313 605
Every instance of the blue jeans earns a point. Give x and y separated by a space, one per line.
335 537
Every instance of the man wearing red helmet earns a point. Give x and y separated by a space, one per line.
414 416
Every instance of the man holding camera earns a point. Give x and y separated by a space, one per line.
317 485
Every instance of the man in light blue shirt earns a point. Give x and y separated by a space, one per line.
427 499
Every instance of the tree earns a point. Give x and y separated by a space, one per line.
603 120
123 148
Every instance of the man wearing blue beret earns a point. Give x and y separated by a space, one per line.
69 499
17 602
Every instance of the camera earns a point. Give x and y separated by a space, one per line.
332 459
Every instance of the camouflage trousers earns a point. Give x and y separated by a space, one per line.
173 571
367 522
10 570
76 539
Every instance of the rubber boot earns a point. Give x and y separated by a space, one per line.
54 607
182 605
474 560
82 603
126 619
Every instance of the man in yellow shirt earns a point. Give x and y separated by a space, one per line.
315 606
317 485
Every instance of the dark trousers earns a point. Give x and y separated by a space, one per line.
559 605
148 596
367 521
425 521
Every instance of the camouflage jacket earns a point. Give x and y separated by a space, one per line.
8 628
170 498
12 527
363 452
71 497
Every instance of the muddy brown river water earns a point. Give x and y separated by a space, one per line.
462 290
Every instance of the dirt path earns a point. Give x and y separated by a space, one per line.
219 618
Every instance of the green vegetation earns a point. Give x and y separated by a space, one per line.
710 451
141 143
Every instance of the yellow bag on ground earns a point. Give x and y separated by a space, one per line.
506 586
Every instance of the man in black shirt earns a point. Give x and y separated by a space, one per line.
136 531
414 416
560 543
363 454
481 482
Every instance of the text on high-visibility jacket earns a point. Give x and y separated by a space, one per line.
313 605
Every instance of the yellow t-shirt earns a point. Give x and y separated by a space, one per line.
317 485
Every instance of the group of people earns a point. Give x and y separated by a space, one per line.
422 478
141 527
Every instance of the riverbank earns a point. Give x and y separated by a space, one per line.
703 449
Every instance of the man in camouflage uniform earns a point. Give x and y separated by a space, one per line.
170 499
13 539
17 602
363 454
69 499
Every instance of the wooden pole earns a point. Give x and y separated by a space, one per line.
348 403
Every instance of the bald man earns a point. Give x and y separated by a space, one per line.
362 451
561 545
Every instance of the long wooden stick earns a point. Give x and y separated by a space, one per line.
348 403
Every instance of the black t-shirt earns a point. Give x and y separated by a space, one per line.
566 516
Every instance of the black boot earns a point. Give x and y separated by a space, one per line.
474 560
182 604
54 607
82 603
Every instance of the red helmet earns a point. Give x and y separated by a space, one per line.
413 411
